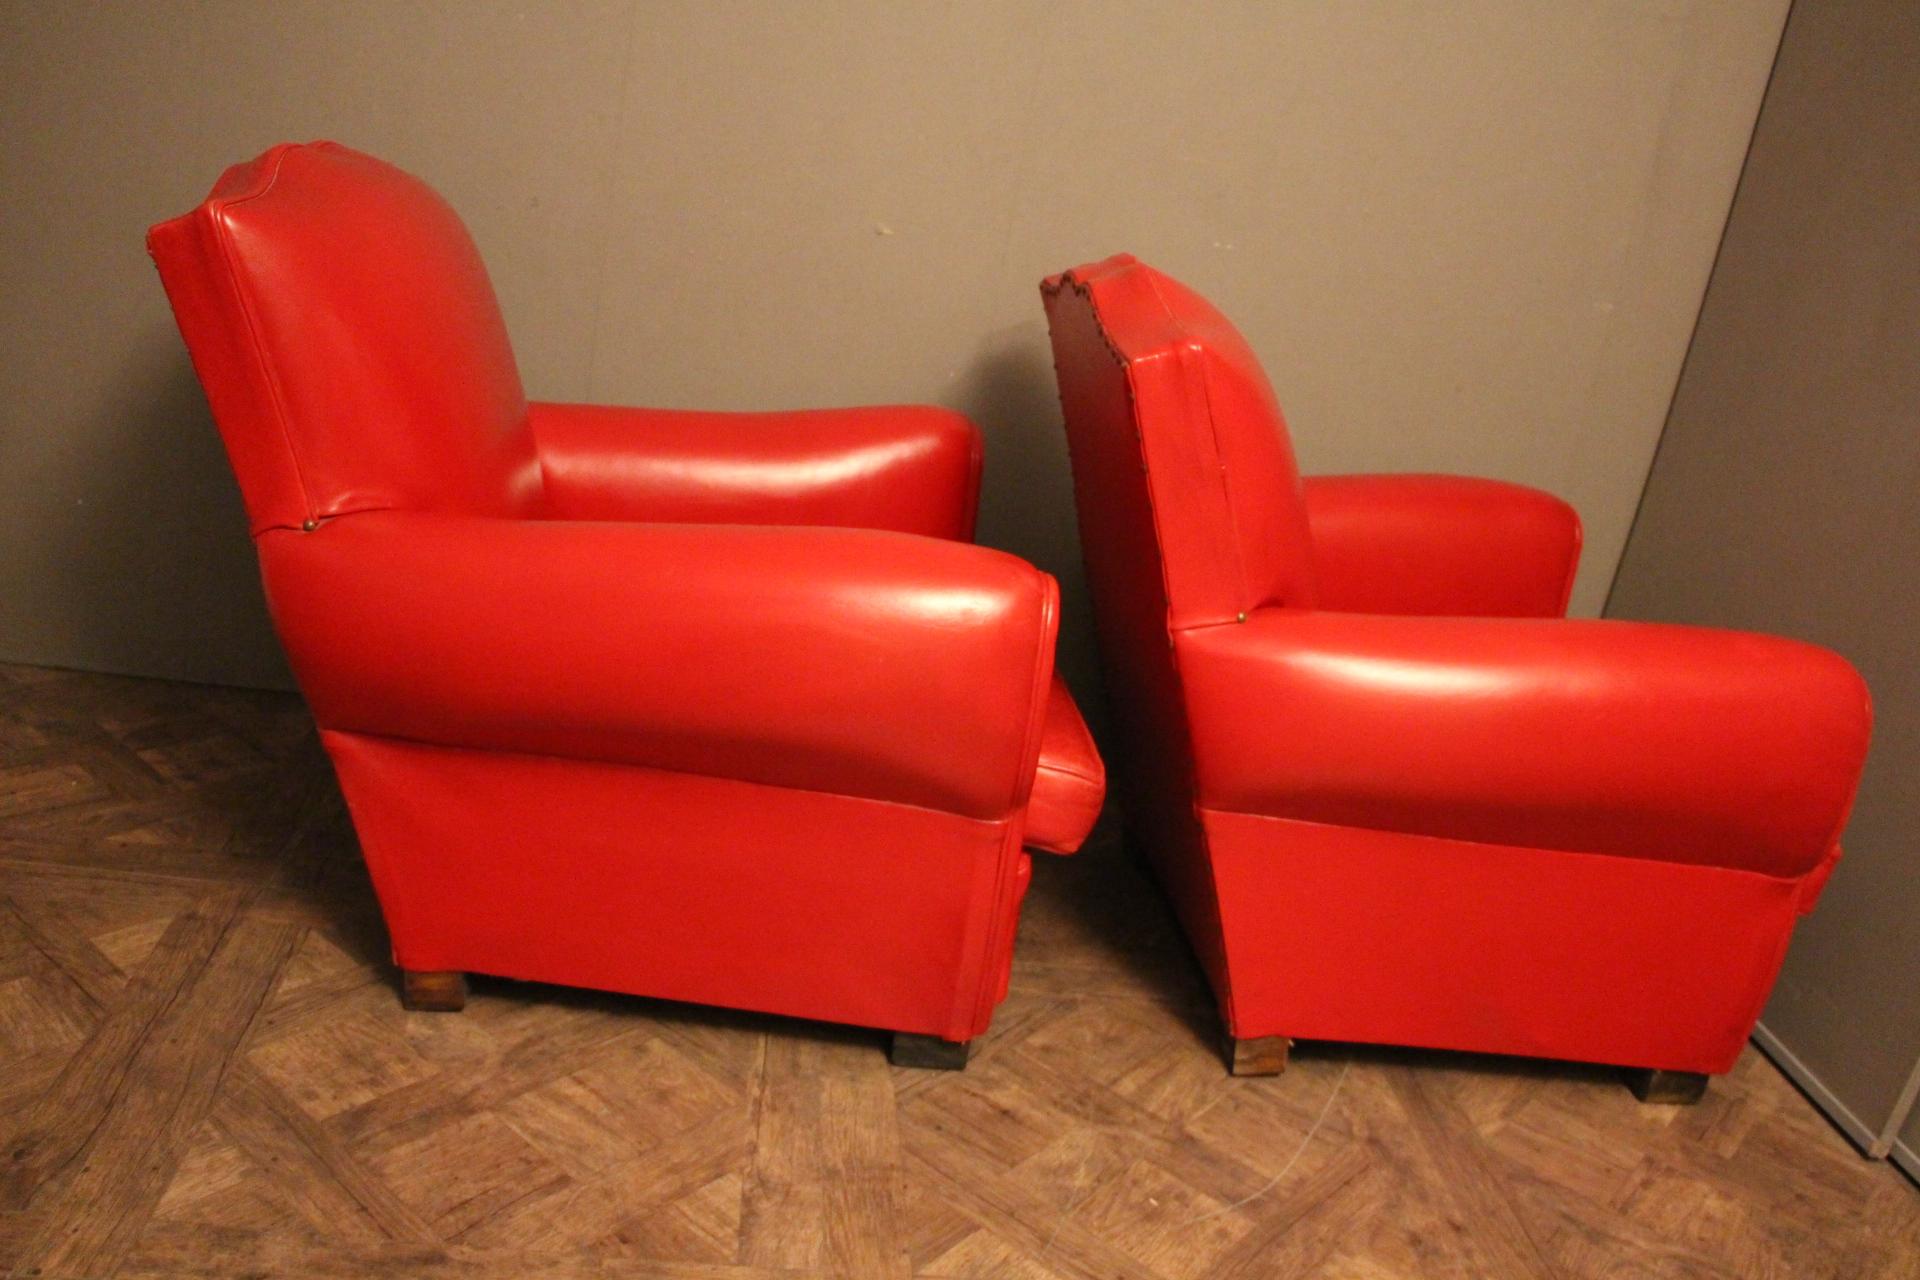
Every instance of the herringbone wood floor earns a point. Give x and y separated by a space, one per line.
204 1071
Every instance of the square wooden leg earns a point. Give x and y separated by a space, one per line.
441 991
1680 1088
1258 1056
930 1052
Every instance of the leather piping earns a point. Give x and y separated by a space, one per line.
216 217
1084 289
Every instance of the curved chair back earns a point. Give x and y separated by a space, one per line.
349 342
1167 407
1189 506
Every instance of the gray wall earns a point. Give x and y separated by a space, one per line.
1784 497
1469 237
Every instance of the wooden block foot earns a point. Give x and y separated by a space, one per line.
1679 1088
441 991
1258 1056
929 1052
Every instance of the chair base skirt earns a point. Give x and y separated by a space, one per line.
1331 933
681 887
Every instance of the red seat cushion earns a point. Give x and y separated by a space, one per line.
1070 782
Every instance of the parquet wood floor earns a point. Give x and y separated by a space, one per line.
204 1071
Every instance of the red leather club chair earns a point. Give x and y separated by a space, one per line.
715 707
1394 795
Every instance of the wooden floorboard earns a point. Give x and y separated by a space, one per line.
205 1071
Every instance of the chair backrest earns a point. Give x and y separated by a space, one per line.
1183 473
349 342
1190 514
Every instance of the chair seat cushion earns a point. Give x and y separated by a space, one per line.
1071 781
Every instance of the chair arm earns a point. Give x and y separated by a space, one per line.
1680 743
845 661
1438 545
909 468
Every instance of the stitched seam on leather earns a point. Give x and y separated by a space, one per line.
1028 767
1044 767
381 736
1792 879
1041 686
337 514
1183 356
1197 812
1859 776
540 457
223 241
972 1008
1573 563
1814 883
978 1011
1757 1005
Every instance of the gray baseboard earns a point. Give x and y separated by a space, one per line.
1797 1071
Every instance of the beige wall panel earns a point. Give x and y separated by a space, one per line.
1784 495
122 541
1467 237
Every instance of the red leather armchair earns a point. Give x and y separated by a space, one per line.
713 707
1394 796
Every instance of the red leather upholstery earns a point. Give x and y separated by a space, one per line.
812 658
910 468
360 366
717 707
1395 797
1071 782
1429 545
1645 741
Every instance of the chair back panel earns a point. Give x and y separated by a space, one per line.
349 342
1154 378
1121 545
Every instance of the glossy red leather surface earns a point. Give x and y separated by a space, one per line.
683 886
1430 545
1647 741
347 336
1393 795
715 707
811 658
1238 539
910 468
1071 782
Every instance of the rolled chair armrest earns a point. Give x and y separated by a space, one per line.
1679 743
852 662
1441 545
908 468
